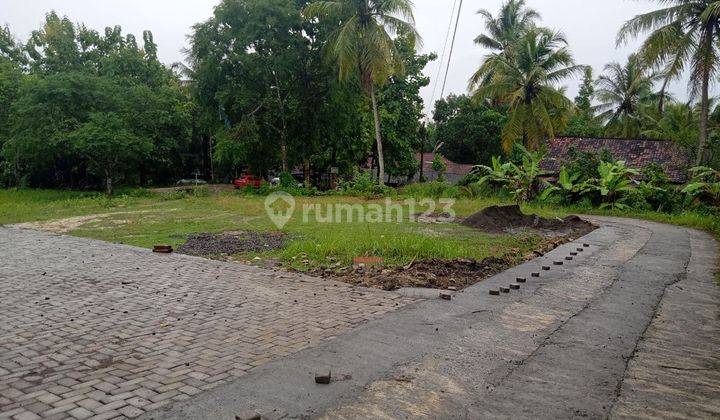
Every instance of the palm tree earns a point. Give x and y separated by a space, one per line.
363 46
505 30
621 90
526 81
678 122
685 33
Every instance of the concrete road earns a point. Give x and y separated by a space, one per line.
629 327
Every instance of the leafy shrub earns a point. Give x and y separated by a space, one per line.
585 164
613 182
704 188
521 180
287 180
363 184
439 166
568 189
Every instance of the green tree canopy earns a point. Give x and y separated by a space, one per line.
527 82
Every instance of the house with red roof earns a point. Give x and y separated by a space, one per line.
637 154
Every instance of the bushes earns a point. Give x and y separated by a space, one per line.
522 180
597 180
363 184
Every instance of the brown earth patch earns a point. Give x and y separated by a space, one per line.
510 219
223 244
461 273
436 273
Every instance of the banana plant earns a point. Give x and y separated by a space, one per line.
567 186
521 181
614 180
705 185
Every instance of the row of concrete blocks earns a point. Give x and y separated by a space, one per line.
521 280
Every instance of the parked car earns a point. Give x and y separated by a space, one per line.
248 181
190 182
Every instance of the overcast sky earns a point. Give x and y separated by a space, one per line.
590 26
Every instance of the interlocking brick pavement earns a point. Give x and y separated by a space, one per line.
96 330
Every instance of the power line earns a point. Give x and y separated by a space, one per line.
452 47
442 57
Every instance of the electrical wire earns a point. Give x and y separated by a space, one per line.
442 57
452 47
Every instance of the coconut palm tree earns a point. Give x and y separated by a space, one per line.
683 34
527 82
362 45
505 30
678 122
621 91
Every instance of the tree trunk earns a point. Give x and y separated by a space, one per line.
378 139
108 183
210 159
306 171
283 152
704 112
661 105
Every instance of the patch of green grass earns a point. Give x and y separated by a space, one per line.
143 219
24 205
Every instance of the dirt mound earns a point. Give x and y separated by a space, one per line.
210 244
510 219
434 274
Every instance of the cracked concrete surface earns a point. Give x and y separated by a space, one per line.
629 328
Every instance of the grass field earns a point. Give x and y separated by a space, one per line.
143 219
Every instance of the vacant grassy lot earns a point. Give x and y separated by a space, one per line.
145 220
142 219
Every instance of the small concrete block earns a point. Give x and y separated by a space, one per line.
546 268
586 245
535 274
494 293
521 280
558 262
569 258
445 296
505 290
574 254
581 250
515 286
323 378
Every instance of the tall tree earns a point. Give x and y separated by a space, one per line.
504 31
470 131
526 81
683 34
583 101
363 47
621 90
109 145
402 110
583 123
249 60
76 73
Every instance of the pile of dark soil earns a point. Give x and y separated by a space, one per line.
433 274
211 245
510 219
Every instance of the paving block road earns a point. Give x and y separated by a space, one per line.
95 330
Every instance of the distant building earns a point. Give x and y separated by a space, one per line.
455 171
636 153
